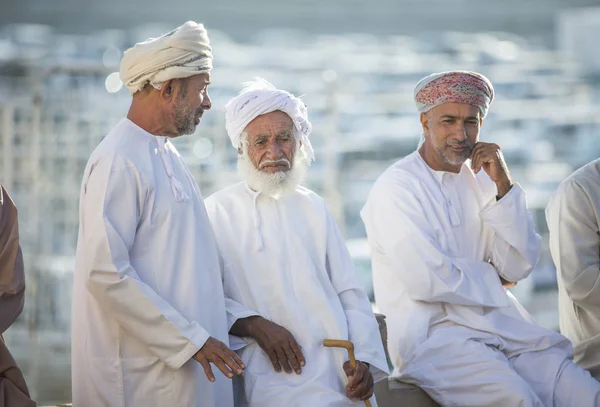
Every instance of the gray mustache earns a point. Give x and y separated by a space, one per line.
271 162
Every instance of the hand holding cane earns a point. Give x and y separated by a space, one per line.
338 343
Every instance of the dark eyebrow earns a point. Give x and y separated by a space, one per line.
447 116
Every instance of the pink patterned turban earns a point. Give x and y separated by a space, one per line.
454 87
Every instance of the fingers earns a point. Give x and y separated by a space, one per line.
217 353
297 349
274 360
293 360
355 379
348 369
221 365
484 153
295 356
236 359
363 389
206 366
475 164
232 360
283 360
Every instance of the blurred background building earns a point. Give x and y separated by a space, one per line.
356 63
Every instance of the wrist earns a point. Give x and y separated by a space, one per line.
249 324
243 327
503 188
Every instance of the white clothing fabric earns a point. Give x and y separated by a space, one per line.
147 289
482 375
181 53
261 97
439 243
303 280
572 215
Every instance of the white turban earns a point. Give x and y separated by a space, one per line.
261 97
181 53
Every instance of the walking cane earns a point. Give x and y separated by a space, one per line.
338 343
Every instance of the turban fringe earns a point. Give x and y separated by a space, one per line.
181 53
454 87
263 98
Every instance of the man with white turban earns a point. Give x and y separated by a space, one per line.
148 305
447 229
286 262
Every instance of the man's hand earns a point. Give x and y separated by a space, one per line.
277 342
217 353
489 157
360 386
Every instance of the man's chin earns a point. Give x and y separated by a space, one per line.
454 159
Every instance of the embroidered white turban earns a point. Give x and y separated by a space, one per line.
261 97
454 87
183 52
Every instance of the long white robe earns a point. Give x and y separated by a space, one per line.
573 220
147 289
286 260
439 243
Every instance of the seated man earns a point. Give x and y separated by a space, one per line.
572 216
285 260
445 235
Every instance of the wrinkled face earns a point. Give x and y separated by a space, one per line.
271 142
451 131
190 102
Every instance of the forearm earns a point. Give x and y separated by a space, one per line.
503 187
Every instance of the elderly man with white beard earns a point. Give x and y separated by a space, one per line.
285 260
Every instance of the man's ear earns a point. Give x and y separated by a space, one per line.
425 122
167 90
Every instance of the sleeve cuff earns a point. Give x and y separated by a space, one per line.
184 355
506 202
500 249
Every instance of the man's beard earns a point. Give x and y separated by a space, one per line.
185 118
449 156
274 184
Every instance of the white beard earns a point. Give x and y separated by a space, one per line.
275 184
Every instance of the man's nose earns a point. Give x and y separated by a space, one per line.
206 102
274 151
460 132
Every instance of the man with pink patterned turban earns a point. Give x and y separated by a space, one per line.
450 232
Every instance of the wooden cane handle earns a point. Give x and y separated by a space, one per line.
337 343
